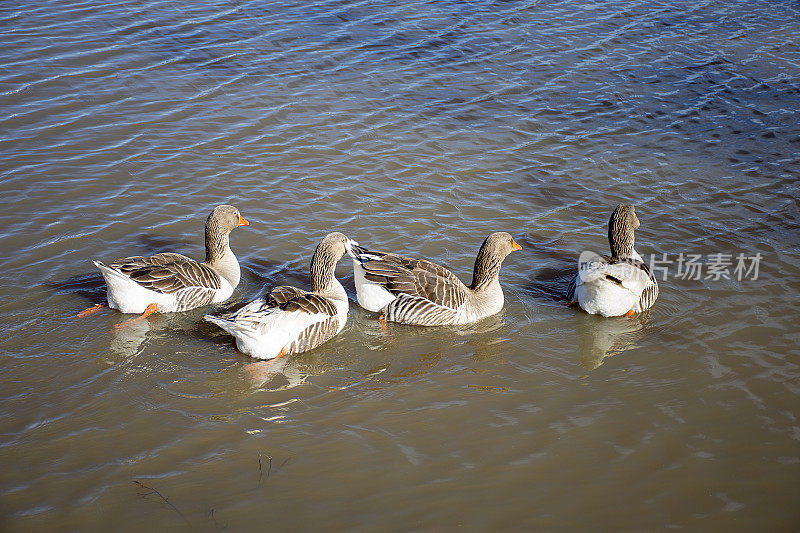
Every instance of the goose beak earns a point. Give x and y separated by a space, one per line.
242 221
354 250
515 246
350 245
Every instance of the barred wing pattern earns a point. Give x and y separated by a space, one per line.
314 315
416 310
650 293
573 284
193 284
128 264
318 332
417 278
281 295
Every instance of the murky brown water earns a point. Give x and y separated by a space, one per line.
420 128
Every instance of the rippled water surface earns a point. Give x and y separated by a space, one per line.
417 127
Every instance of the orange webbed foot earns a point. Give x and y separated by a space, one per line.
92 310
630 313
383 323
149 310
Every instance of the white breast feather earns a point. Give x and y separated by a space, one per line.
371 296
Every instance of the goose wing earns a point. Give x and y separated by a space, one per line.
571 288
283 294
418 310
129 264
168 272
303 319
650 292
417 278
635 276
193 284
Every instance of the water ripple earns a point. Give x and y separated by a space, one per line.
419 129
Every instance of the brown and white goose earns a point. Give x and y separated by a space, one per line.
289 320
416 291
617 285
168 282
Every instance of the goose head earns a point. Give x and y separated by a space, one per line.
493 251
328 252
219 224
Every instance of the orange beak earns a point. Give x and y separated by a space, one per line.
515 246
242 221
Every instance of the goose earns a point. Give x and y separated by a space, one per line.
617 285
289 320
419 292
170 282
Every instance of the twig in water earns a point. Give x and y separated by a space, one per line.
260 471
163 499
214 518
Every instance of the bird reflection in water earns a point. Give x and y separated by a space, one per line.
280 374
129 340
600 338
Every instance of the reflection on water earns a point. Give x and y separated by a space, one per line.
599 338
276 374
128 340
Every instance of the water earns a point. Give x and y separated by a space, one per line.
420 128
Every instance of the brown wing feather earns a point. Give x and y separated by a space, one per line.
292 299
288 299
417 310
280 296
135 262
317 333
314 335
310 303
416 277
650 293
169 273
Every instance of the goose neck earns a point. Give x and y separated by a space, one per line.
323 279
620 240
487 270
